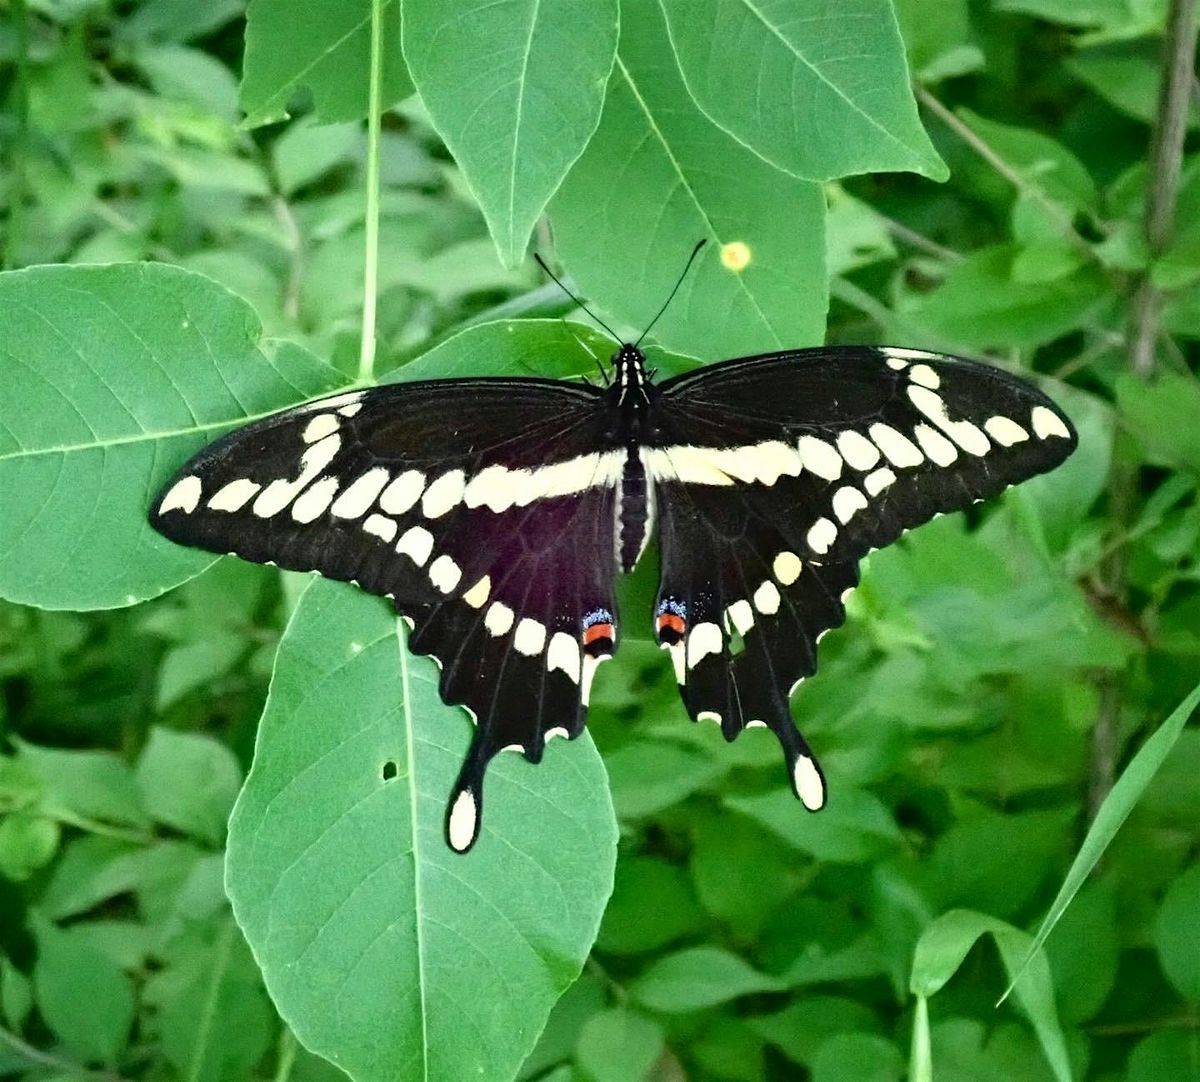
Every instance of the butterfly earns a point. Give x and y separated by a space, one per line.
496 514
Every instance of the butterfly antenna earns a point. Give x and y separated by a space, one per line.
686 267
558 281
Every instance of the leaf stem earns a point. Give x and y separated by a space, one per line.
287 1054
366 355
16 201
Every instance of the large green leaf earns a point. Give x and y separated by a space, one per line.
112 376
383 950
658 176
819 90
294 45
492 75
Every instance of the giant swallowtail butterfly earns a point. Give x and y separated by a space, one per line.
496 514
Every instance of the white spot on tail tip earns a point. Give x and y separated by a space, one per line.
184 496
709 715
809 785
1048 423
464 819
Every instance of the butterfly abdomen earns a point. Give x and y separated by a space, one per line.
635 512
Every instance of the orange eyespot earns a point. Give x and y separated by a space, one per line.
668 621
597 632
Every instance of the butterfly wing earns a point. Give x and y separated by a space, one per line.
484 509
773 475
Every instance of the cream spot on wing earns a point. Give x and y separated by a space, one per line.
939 449
463 818
499 619
416 543
876 482
381 526
184 496
677 659
478 594
702 640
279 493
322 425
967 435
896 364
857 450
402 494
709 715
315 500
740 616
766 598
530 637
444 573
897 448
756 723
563 653
346 399
821 536
925 376
847 502
590 665
1048 423
899 353
809 786
362 493
558 730
1005 431
443 495
786 567
235 495
820 458
350 410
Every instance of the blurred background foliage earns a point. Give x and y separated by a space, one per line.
997 671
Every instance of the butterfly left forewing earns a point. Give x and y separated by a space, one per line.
482 508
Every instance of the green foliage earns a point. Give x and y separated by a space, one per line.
975 835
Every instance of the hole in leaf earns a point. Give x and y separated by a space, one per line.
389 770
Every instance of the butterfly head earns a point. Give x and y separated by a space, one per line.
629 369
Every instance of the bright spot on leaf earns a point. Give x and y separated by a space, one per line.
735 255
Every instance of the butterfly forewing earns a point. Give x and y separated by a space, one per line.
483 508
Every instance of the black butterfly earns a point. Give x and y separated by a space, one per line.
496 513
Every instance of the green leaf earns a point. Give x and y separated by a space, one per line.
619 1045
307 151
91 784
323 48
820 92
492 77
216 1023
937 38
658 176
979 305
853 826
701 977
649 775
805 1024
113 376
1164 1056
27 842
652 904
945 943
1126 75
383 950
1175 934
1161 413
82 995
189 782
1112 814
857 1057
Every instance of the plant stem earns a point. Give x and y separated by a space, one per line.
287 1054
366 356
14 240
1167 138
1166 157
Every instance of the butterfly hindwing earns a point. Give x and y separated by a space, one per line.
484 509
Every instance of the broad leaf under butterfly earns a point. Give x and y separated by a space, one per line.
496 513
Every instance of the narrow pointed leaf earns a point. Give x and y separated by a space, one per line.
514 88
845 105
112 376
384 951
657 177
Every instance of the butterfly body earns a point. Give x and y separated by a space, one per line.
496 514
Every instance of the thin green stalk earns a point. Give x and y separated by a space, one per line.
366 356
18 188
